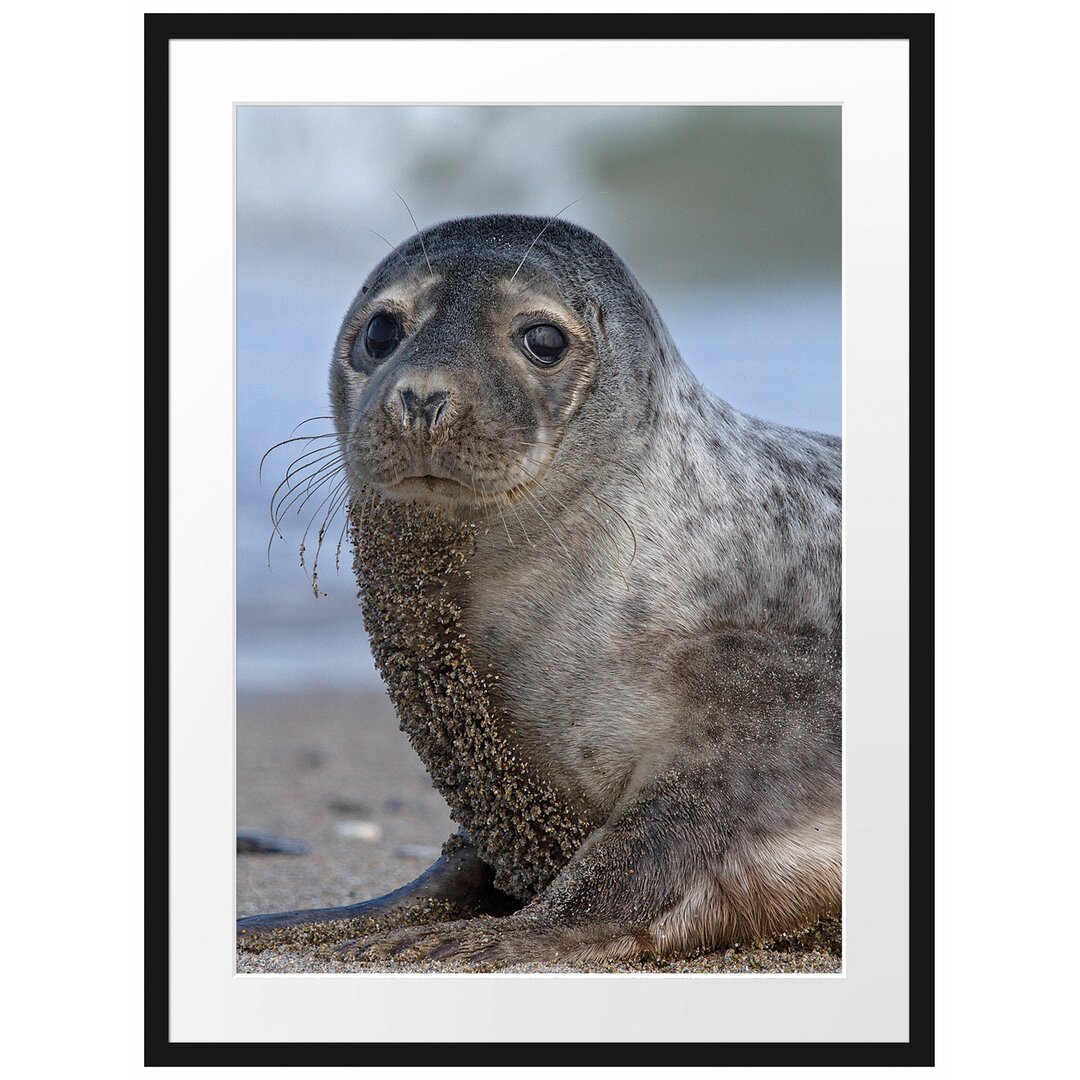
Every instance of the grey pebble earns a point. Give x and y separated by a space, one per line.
418 851
257 842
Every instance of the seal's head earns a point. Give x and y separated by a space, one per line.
466 355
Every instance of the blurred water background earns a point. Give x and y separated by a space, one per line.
730 217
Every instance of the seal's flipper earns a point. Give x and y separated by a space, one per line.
457 885
688 863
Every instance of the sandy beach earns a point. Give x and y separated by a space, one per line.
332 771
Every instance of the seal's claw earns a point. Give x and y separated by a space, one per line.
483 943
445 950
456 941
349 950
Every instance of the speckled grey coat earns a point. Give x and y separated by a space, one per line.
606 603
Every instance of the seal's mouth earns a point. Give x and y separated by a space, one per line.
428 487
431 482
429 478
447 490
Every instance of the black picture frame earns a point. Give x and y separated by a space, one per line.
918 31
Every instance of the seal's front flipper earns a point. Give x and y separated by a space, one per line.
458 885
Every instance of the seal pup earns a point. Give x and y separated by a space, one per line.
606 604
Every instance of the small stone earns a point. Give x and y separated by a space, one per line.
345 805
418 851
258 842
368 831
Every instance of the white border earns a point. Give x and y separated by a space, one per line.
208 1002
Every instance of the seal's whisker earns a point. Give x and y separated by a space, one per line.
598 517
527 284
495 502
534 503
512 504
502 518
323 452
593 517
335 506
290 473
369 502
522 444
329 478
279 505
332 469
311 521
285 442
399 255
419 234
309 420
310 469
585 553
270 546
341 537
614 542
367 228
281 500
633 535
547 225
354 519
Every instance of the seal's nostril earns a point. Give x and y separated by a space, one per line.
431 410
409 403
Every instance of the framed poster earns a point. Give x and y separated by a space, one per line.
278 143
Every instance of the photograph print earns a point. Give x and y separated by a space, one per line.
539 539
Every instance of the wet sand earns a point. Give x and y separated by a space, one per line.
333 771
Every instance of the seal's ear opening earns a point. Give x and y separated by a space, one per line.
595 314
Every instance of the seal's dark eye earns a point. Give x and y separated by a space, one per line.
544 344
382 335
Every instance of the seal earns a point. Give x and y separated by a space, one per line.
607 606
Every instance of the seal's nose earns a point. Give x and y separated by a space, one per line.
428 411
